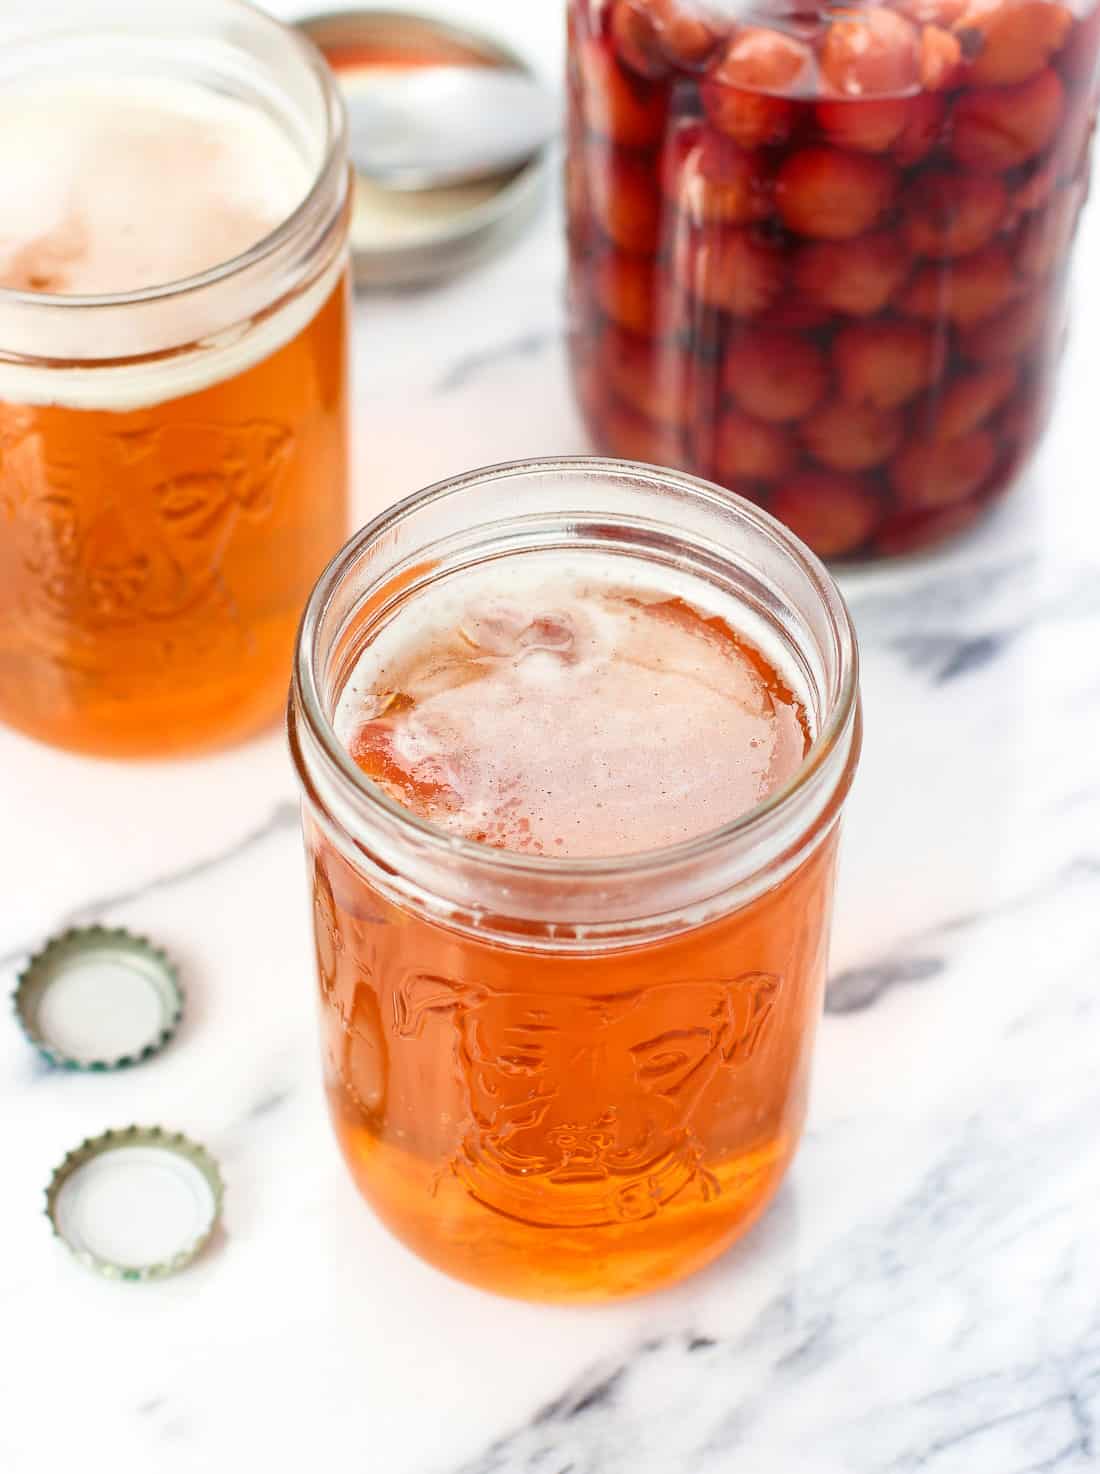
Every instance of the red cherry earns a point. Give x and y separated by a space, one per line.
833 514
623 432
625 199
940 59
851 437
1007 41
635 38
747 92
730 269
884 364
653 36
870 52
751 450
774 375
656 379
830 195
1012 332
999 127
922 131
616 104
870 125
949 214
855 277
752 119
711 179
963 291
686 37
626 289
969 400
935 473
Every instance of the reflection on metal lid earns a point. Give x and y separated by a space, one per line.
405 239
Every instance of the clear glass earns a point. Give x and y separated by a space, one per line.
663 1004
173 460
821 255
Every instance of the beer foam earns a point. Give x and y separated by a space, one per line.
112 186
118 184
583 712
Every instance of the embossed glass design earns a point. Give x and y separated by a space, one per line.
583 1078
173 458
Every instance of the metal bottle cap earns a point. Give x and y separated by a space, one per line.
411 239
98 999
135 1204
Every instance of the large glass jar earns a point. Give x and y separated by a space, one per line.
572 1079
820 255
173 457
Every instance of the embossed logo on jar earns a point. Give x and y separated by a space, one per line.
136 528
354 1038
580 1109
326 932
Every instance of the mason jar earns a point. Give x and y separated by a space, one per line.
821 255
173 453
579 1078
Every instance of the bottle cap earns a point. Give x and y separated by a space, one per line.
98 999
135 1204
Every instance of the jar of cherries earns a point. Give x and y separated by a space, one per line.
820 255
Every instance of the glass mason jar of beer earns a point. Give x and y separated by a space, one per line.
574 738
173 378
820 253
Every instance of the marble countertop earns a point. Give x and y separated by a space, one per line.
925 1293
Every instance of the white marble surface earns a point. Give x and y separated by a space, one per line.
925 1294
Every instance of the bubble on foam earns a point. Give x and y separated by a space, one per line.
590 714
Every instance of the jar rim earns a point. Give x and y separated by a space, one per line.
267 245
839 717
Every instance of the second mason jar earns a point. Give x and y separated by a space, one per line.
173 367
820 255
571 1068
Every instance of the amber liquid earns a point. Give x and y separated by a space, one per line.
154 563
561 1125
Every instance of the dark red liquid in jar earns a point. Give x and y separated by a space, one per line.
821 256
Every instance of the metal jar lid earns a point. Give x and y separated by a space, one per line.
135 1204
98 998
413 239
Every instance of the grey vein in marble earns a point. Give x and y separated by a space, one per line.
464 371
284 817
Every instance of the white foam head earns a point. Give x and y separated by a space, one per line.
565 707
115 185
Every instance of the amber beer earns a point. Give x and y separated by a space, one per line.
173 380
574 738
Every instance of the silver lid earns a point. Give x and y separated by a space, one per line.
401 239
135 1204
98 998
